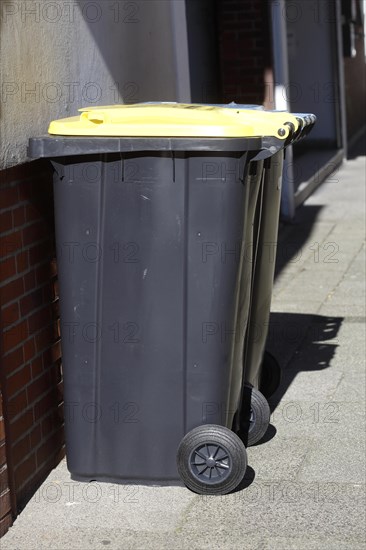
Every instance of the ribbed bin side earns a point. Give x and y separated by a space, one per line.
148 253
217 210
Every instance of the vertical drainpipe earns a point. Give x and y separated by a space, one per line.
281 100
180 49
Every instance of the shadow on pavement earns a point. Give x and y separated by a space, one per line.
293 235
301 342
246 481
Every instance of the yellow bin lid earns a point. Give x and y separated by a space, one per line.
175 120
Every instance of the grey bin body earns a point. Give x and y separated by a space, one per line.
156 290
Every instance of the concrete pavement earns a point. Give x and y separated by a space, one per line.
305 485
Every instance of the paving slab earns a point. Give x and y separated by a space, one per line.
334 462
319 419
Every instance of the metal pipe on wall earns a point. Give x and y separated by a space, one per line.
281 100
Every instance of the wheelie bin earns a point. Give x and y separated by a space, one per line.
262 372
146 199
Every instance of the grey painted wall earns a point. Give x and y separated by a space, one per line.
58 56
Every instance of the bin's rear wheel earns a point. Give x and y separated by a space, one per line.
260 414
270 375
253 416
211 460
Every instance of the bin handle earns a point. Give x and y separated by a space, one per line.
96 117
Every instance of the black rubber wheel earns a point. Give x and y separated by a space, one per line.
211 460
270 375
260 415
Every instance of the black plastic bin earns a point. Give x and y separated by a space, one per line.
153 278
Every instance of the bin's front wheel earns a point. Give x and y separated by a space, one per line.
270 375
260 414
211 460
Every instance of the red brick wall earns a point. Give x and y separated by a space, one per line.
31 370
245 51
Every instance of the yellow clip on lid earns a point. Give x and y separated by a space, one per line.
175 120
